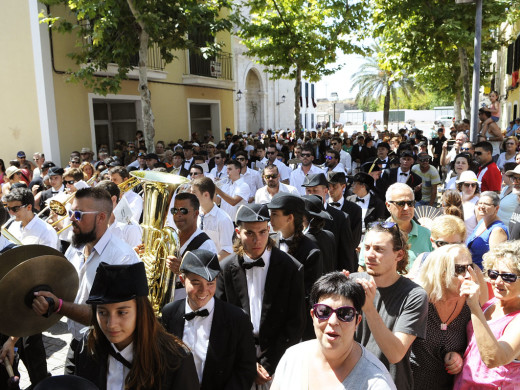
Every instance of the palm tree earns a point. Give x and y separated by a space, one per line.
374 82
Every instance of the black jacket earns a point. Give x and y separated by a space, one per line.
389 177
355 214
327 244
283 306
376 209
346 248
231 357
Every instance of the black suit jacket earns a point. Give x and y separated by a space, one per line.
355 214
231 357
283 306
376 209
327 244
95 369
389 177
346 250
361 155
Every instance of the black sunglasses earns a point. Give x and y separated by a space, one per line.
306 154
240 159
344 313
271 152
71 182
15 209
270 176
506 276
183 210
477 153
461 269
470 184
402 203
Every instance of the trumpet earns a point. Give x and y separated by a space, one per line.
128 185
7 234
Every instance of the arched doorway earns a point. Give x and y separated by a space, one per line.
253 102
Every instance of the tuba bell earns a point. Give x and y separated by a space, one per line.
159 241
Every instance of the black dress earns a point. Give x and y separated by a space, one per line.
427 357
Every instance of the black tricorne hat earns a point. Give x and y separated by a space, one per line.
201 262
66 382
315 179
314 206
252 213
287 202
337 177
364 178
118 283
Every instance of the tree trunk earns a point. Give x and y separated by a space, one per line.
464 73
144 91
297 94
386 106
457 111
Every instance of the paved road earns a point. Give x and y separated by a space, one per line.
56 341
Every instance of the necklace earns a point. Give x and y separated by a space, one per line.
444 325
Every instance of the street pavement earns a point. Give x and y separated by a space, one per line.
56 340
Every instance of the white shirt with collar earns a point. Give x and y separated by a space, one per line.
36 231
116 371
284 170
346 160
297 177
111 250
135 201
4 242
208 245
131 234
364 209
218 225
253 180
187 164
238 187
402 178
340 201
256 277
263 196
216 174
338 168
196 334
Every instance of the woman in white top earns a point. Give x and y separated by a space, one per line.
333 360
510 146
461 164
508 199
469 188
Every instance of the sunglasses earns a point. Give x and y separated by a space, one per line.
218 158
71 182
506 276
182 210
306 154
270 176
240 159
344 313
440 243
77 214
402 203
464 149
329 157
470 184
478 153
334 143
461 269
15 209
271 152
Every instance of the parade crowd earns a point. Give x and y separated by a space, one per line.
328 261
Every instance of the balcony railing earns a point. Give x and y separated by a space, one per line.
218 67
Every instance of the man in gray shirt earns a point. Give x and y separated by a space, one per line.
396 309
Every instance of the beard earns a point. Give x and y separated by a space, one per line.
83 238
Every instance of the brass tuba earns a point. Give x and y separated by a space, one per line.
159 241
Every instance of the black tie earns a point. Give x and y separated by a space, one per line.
360 200
256 263
116 355
404 174
284 241
193 314
335 204
201 221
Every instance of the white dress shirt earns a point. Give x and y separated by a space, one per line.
284 170
131 234
297 177
36 231
364 209
263 196
216 174
256 277
208 245
238 187
346 160
117 371
136 204
4 242
402 178
253 180
187 164
111 250
196 335
340 201
217 224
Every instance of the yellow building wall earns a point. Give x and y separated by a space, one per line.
20 126
513 96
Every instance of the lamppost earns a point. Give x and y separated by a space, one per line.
334 98
476 66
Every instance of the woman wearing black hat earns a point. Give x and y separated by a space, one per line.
127 347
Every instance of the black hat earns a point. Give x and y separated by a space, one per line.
315 179
288 202
364 178
384 145
55 171
314 206
423 155
48 164
151 156
201 262
66 382
406 153
252 213
337 177
118 283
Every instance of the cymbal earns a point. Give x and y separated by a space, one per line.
15 256
54 272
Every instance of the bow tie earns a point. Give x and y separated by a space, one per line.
256 263
335 204
284 241
360 200
404 174
193 314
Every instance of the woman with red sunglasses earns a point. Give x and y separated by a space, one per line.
492 358
333 360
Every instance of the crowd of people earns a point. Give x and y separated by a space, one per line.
306 262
